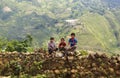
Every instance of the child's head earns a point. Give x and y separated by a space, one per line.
72 35
62 39
52 39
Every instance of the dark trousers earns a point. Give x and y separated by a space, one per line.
62 49
51 50
72 48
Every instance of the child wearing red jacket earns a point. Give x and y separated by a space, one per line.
62 45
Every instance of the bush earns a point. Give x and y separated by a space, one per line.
23 45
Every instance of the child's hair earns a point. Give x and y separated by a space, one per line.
52 38
72 34
62 39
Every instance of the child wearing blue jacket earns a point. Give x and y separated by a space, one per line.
72 42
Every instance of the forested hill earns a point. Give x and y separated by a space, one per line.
95 22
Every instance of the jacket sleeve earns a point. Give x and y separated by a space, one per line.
76 41
59 45
65 44
49 47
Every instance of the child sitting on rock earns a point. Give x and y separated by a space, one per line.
72 42
52 46
62 45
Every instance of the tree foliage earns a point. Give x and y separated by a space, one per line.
16 45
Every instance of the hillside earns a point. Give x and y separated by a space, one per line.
96 22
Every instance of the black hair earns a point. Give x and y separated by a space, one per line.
72 34
52 38
62 39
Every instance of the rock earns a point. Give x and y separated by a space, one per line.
94 69
103 55
118 59
111 70
94 65
57 71
58 54
82 67
73 76
118 73
81 74
101 77
65 70
62 62
113 57
79 57
97 55
74 70
70 57
51 71
78 67
91 56
114 61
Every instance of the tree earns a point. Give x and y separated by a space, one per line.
20 46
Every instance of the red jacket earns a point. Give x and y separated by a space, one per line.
62 44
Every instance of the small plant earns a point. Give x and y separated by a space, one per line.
41 76
83 52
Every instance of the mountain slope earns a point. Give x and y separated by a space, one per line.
96 22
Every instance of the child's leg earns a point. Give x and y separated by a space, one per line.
73 48
50 51
56 49
62 49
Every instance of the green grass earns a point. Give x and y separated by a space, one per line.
99 27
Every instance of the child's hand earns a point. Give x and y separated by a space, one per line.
54 49
61 46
